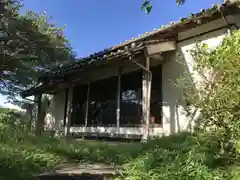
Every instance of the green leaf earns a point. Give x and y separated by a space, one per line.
144 5
148 8
180 2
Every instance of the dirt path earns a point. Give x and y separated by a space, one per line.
73 177
80 172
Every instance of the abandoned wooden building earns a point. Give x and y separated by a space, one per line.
128 90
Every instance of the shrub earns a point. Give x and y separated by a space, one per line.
181 156
190 157
208 154
218 94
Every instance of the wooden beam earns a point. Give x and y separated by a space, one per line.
160 47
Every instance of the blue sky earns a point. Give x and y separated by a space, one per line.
93 25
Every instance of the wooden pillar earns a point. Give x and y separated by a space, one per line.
146 93
149 104
144 99
40 119
87 108
118 100
30 113
69 111
65 107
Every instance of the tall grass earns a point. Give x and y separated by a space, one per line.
182 156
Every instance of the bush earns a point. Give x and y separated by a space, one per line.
217 96
183 156
19 158
208 154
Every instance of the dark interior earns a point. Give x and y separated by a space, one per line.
131 99
79 105
103 101
156 95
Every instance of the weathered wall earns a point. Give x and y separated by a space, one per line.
55 113
175 66
174 118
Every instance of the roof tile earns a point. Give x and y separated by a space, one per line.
123 47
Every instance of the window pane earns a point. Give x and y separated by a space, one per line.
156 95
131 99
102 105
79 105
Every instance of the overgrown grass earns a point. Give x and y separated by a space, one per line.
182 156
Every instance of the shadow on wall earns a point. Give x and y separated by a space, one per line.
173 105
175 66
54 113
49 121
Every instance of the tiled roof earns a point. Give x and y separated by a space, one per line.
137 43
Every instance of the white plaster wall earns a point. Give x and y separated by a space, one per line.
55 113
174 117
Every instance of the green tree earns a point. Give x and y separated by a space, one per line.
30 46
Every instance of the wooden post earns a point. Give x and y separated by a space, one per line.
69 112
40 119
149 104
144 101
118 100
65 107
30 112
146 94
87 108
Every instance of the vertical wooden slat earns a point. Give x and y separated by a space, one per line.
39 123
144 104
148 103
148 94
87 105
118 99
65 107
146 97
69 112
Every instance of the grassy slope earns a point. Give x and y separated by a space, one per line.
183 156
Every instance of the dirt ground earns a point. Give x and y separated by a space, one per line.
80 172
